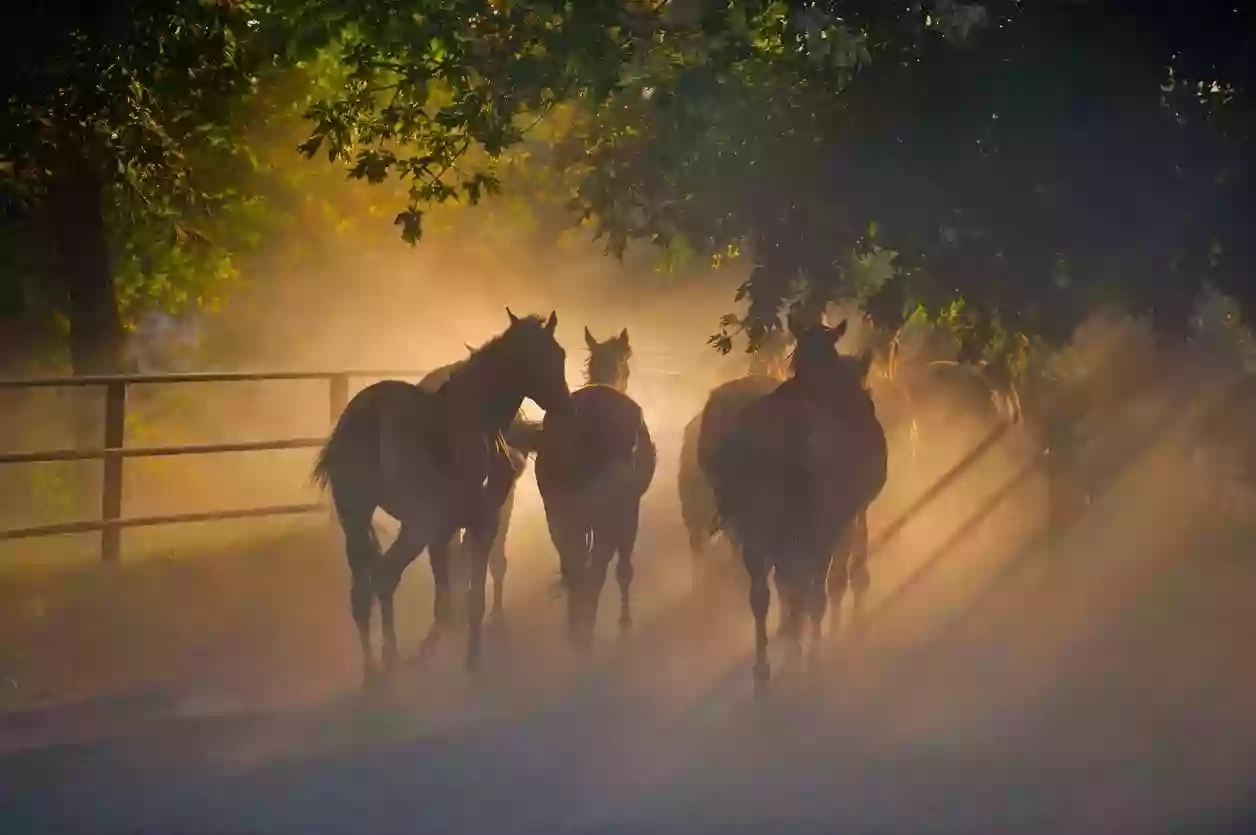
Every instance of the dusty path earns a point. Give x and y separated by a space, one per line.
218 697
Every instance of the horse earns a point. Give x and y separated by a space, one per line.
703 435
793 478
437 462
594 462
768 367
519 442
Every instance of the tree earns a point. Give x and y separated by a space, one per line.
436 96
114 141
1021 162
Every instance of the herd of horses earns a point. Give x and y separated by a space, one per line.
783 463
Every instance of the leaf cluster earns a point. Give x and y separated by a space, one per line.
1007 165
437 90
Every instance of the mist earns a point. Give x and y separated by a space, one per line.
1094 681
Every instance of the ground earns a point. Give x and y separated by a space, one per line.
996 690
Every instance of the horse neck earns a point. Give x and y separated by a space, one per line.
610 375
481 392
844 401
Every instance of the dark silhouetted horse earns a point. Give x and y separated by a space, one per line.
436 462
794 476
594 462
519 442
768 367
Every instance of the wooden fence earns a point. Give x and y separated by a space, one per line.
114 452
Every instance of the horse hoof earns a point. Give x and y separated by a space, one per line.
473 659
814 662
582 640
762 679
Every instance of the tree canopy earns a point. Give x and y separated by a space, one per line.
1000 167
1020 161
117 146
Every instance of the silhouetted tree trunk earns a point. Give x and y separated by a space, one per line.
76 201
76 198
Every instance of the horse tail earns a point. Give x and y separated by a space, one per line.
331 454
697 501
320 477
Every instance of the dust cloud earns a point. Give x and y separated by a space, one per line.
1093 679
366 303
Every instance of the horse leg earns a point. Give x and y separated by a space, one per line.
600 554
478 542
760 600
441 553
410 542
792 588
859 577
362 550
459 576
837 581
626 542
497 556
570 538
700 567
783 626
816 602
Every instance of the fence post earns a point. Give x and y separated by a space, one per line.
111 484
339 398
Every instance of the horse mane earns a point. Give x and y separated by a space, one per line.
488 348
531 320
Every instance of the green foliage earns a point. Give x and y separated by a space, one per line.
148 97
141 92
997 168
1006 165
434 97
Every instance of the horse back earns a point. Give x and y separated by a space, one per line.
599 429
382 441
792 465
387 405
719 415
439 376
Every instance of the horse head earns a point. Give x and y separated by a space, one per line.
816 360
607 364
535 362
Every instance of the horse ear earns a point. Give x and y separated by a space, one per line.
623 337
837 331
588 338
553 321
514 320
470 350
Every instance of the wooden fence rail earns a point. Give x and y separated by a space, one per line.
114 451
